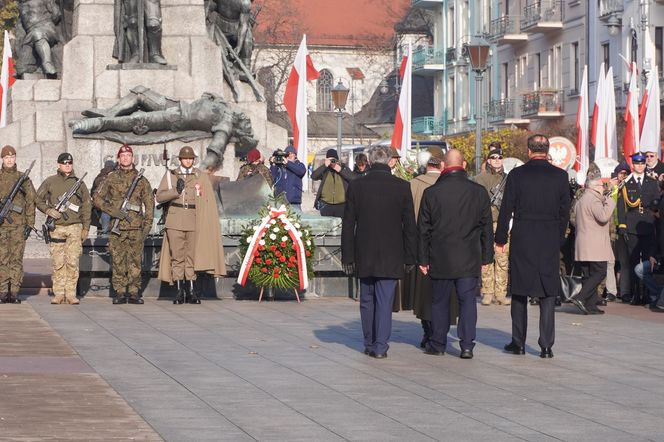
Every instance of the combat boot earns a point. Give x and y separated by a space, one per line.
73 300
504 301
154 46
486 299
3 298
181 295
58 299
11 299
120 298
193 294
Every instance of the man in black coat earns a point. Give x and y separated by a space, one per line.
378 238
455 239
537 198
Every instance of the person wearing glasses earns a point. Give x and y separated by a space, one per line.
494 275
654 167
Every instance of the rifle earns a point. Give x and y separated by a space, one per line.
124 207
61 206
243 68
8 202
497 192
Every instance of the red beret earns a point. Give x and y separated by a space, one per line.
253 155
125 148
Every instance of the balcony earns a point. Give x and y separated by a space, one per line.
545 103
428 61
506 29
427 4
542 16
505 111
607 8
455 57
427 126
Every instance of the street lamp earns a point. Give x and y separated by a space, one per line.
339 97
478 52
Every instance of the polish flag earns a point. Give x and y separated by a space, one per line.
631 141
401 137
597 136
611 137
581 163
6 79
650 123
295 97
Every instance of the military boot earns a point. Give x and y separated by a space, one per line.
181 295
120 298
11 299
154 46
3 297
504 301
58 299
486 299
73 300
193 294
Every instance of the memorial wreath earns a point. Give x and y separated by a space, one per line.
278 251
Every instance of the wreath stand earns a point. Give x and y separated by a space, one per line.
260 296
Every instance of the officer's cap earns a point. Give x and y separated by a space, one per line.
638 158
187 153
65 158
7 150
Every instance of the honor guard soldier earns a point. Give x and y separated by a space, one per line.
636 222
65 200
193 236
127 197
17 219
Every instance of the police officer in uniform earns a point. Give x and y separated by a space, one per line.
70 230
14 234
126 248
636 223
193 236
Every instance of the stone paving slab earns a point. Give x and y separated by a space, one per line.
231 370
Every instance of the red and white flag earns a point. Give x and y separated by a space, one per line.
650 123
581 163
6 79
295 98
401 137
597 135
611 145
631 140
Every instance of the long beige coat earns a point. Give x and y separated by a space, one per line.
593 214
419 184
208 250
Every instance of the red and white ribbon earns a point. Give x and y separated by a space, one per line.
278 215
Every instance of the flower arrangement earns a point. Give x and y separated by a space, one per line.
278 251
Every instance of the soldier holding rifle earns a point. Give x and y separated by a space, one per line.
127 197
65 200
17 218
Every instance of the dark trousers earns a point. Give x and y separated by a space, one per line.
376 298
594 273
520 320
467 290
333 210
632 254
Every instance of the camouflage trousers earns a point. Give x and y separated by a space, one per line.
11 257
126 255
66 248
494 276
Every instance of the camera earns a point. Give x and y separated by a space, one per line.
333 161
279 157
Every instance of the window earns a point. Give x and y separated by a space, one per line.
634 46
658 48
557 67
451 105
324 91
505 93
574 58
538 73
605 57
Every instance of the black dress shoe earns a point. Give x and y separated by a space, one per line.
558 302
373 354
136 301
657 309
515 349
595 311
466 354
429 350
367 351
610 297
119 300
626 299
546 352
601 301
534 301
579 305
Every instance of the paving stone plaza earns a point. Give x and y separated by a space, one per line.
240 370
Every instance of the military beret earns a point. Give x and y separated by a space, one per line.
253 155
187 153
7 150
65 158
124 149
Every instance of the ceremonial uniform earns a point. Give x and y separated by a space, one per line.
193 236
12 235
126 248
71 229
636 226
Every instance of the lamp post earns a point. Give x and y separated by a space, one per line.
339 97
478 52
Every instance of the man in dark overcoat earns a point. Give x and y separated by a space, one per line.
378 239
537 198
455 240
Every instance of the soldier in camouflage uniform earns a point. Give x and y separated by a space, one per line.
126 248
494 276
70 230
13 234
253 166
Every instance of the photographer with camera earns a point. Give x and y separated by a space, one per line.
287 172
334 178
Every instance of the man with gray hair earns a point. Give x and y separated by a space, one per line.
378 240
